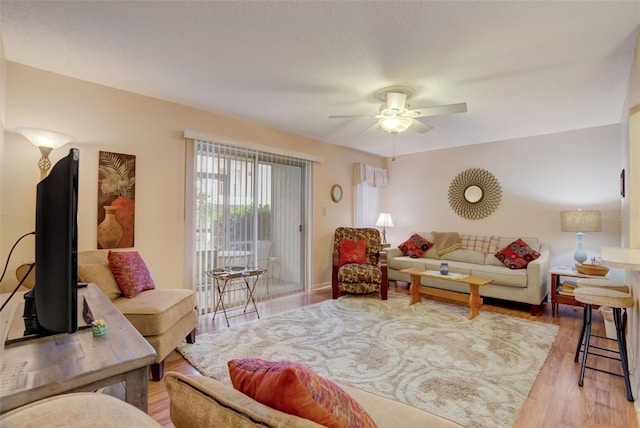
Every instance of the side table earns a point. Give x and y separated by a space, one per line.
225 276
556 298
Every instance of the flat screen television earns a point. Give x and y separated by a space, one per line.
52 304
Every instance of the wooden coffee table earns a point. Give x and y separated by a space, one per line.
474 283
62 363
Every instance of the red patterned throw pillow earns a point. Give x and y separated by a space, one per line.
415 246
517 255
295 389
352 251
130 272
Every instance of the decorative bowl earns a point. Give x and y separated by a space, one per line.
587 269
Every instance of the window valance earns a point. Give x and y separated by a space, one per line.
374 176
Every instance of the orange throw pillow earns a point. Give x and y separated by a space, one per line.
295 389
352 251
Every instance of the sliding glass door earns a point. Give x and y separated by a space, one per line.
249 211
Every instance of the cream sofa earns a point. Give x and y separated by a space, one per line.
527 285
164 317
199 401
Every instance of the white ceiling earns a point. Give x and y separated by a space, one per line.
523 68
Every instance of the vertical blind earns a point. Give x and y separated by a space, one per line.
248 213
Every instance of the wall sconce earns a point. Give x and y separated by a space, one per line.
580 221
384 220
46 141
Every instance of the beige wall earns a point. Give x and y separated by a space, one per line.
539 176
632 204
3 75
103 118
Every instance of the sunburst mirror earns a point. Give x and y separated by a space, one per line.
474 194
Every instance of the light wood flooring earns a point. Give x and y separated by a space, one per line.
555 400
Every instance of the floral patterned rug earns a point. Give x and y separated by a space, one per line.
429 355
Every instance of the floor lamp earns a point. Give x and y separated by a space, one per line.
580 221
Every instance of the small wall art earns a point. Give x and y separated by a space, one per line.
116 200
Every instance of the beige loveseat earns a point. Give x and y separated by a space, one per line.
164 317
199 401
528 285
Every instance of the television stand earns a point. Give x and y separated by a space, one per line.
52 365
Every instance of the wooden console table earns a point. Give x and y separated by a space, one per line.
474 283
52 365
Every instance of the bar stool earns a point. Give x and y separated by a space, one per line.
617 300
599 283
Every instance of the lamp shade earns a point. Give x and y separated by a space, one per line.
580 221
394 124
45 137
384 220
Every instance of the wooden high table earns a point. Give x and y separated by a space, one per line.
52 365
474 283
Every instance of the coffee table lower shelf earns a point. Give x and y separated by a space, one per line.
473 298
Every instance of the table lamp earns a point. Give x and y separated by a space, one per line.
580 221
384 220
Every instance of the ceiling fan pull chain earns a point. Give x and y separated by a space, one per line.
393 154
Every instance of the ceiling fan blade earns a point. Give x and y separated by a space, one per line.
396 101
421 127
374 116
438 110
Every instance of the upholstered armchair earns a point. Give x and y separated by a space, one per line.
358 264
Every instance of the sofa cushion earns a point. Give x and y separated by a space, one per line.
405 262
297 390
352 251
517 254
155 311
130 272
446 242
415 246
100 274
502 275
467 256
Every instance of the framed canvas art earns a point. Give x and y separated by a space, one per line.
116 200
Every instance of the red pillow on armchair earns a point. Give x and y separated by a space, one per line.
353 251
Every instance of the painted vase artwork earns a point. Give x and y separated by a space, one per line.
116 200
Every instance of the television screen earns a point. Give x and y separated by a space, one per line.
52 304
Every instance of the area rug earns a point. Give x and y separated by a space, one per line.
476 372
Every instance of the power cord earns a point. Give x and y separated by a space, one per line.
6 265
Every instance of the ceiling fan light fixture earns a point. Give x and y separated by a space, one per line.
395 125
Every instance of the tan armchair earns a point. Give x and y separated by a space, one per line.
358 264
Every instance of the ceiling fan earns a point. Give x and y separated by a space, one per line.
396 115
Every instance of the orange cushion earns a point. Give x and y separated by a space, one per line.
294 389
353 251
130 272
